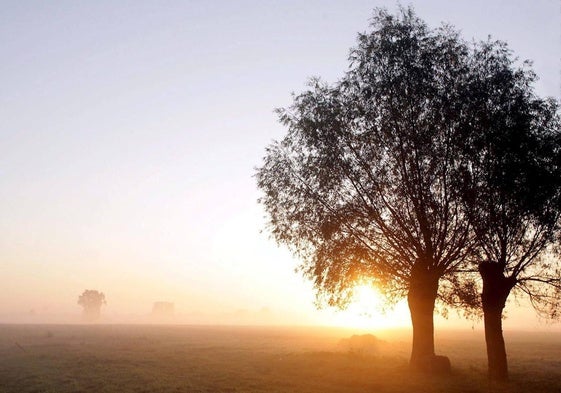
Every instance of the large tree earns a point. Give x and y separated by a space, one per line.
512 189
362 188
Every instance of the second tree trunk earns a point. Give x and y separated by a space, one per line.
496 288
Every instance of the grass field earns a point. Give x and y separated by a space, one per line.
142 358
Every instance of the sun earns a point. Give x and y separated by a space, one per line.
366 311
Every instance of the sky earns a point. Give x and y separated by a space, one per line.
130 132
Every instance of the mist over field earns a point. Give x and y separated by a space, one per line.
393 226
111 358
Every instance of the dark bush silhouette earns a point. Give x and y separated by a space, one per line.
365 344
437 365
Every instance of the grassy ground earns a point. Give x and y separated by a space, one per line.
105 358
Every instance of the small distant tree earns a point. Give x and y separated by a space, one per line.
512 190
91 300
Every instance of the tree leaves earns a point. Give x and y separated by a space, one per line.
360 187
426 148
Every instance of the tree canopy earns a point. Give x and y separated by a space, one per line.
512 189
513 181
361 187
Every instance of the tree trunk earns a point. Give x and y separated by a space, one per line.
496 351
421 298
496 288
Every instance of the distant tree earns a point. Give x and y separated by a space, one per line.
91 300
363 187
512 190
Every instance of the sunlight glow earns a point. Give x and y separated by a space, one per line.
368 311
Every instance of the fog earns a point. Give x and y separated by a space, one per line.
130 135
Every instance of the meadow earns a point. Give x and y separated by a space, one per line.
168 358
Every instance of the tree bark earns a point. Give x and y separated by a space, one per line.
496 288
421 297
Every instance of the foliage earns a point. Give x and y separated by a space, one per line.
513 174
363 184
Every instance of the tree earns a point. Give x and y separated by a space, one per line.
362 188
91 300
512 190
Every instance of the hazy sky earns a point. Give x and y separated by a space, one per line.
130 131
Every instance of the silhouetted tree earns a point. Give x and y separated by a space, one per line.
362 188
513 187
91 300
